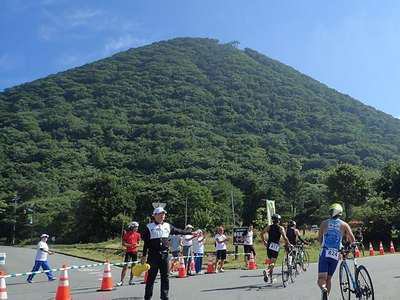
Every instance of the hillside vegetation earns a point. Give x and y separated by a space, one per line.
187 119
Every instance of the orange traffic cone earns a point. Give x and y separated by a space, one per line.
3 288
192 266
371 250
210 265
63 292
392 250
356 252
381 250
251 264
182 269
107 282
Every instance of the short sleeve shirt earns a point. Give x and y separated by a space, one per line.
132 237
41 255
220 237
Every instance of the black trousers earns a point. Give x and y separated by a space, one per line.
157 261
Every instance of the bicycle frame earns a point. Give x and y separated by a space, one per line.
354 283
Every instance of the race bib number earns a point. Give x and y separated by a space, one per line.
332 253
274 247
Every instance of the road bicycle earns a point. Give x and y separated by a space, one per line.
289 266
359 283
302 260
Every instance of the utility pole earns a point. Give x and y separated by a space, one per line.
15 200
186 210
233 223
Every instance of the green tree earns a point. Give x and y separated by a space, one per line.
388 183
104 201
348 184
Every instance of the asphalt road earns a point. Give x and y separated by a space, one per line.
240 284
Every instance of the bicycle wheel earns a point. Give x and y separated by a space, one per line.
291 267
285 272
344 282
364 283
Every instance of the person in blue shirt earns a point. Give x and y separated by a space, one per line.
330 235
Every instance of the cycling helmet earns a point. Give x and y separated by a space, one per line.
335 210
133 225
276 218
292 223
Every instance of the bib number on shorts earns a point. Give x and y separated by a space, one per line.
274 247
332 253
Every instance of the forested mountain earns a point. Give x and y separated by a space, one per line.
187 118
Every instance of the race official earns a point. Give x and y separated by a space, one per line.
155 251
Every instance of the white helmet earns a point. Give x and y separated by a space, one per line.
335 210
133 224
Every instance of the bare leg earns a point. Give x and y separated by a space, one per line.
123 272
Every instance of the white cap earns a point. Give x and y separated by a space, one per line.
133 224
189 226
158 210
44 235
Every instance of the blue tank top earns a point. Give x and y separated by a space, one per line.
333 236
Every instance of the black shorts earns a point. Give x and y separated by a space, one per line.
221 254
271 253
130 257
249 249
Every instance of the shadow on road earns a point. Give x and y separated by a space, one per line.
256 287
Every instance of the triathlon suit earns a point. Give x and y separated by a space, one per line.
274 236
331 243
291 235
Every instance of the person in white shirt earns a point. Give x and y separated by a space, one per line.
187 248
220 246
41 259
198 249
248 244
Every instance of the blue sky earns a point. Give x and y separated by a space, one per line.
352 46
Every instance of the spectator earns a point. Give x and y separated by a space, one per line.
187 247
198 249
176 245
248 244
41 259
130 240
220 246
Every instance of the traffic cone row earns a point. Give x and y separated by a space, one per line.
3 288
251 265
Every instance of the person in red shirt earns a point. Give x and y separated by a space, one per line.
130 240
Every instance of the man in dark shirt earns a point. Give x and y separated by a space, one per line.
155 251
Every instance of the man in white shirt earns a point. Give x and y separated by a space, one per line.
41 259
220 246
248 244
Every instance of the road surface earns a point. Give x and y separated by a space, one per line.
233 284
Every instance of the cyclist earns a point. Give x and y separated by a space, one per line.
293 234
271 237
330 235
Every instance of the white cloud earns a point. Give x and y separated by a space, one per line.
121 43
81 17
